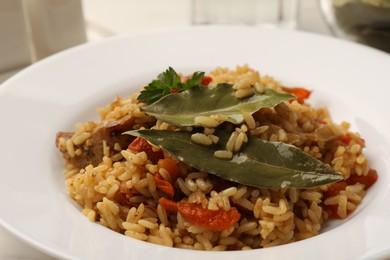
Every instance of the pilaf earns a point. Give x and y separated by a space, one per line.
145 192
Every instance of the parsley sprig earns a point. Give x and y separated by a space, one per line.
166 83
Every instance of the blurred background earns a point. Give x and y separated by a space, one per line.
31 30
34 29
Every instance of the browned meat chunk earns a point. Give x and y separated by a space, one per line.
92 150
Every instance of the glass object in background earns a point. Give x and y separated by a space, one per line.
14 45
364 21
275 13
55 25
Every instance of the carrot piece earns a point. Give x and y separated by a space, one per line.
301 93
171 166
367 180
169 205
164 186
141 145
214 220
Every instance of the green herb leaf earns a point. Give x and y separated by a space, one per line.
261 164
167 82
194 81
214 100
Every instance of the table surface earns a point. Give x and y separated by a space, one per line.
127 16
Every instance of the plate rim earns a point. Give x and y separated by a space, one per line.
6 85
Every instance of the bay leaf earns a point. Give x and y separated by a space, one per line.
181 108
261 164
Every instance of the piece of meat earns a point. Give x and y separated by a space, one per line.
92 150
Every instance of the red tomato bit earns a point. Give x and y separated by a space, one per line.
169 205
333 211
214 220
123 194
171 166
367 180
164 186
335 188
300 93
141 145
174 90
206 81
346 138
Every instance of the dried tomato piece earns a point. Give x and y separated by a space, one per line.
367 180
206 80
214 220
169 205
332 210
335 188
164 186
300 93
123 194
141 145
171 166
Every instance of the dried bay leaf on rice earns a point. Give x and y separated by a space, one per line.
181 109
260 163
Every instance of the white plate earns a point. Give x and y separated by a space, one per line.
53 94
